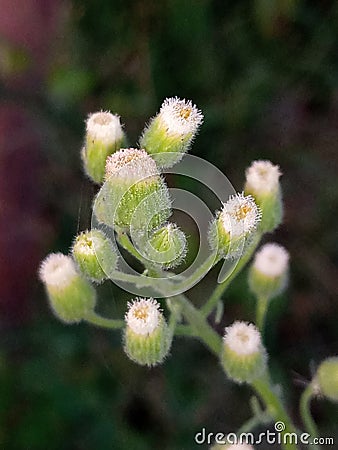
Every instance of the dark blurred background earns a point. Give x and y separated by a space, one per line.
265 74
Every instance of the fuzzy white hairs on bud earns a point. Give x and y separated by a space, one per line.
131 163
180 116
104 127
240 215
271 260
262 177
143 315
57 270
242 338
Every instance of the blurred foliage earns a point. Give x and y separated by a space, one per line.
265 74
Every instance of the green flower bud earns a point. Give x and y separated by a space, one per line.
95 255
243 356
134 193
166 246
147 339
104 136
327 378
262 182
170 133
268 275
233 226
71 296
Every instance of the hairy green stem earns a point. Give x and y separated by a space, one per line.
199 325
210 305
125 242
261 310
304 406
96 319
254 422
184 330
277 411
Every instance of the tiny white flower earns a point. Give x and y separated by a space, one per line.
242 338
180 117
240 215
262 177
104 127
57 270
271 260
143 315
131 164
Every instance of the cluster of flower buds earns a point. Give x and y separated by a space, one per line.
133 199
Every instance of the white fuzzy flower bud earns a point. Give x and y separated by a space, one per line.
134 192
240 215
131 165
104 127
234 224
143 315
180 117
57 270
170 133
104 136
71 296
262 178
146 339
243 355
95 255
242 338
268 274
262 182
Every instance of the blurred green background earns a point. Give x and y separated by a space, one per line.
265 74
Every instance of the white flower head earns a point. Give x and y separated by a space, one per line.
88 242
242 338
143 315
240 215
131 164
180 117
57 270
272 260
104 127
262 177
